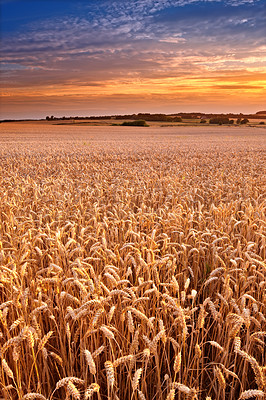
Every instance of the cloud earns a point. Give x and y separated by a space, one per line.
238 87
147 46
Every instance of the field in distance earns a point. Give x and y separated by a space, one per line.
132 262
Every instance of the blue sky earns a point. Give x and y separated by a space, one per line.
112 56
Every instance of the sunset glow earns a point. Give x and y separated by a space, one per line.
109 57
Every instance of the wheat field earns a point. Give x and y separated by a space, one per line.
132 263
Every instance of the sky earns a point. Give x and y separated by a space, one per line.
104 57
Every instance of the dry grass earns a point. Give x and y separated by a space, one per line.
133 267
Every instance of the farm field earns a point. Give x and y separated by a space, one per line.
132 262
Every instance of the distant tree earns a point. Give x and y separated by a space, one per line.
244 121
138 122
238 121
262 123
203 121
219 120
154 117
231 122
47 118
177 119
188 116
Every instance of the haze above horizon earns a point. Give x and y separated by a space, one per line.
103 57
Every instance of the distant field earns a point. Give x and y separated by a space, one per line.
132 262
185 122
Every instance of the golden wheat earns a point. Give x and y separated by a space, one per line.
132 267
